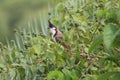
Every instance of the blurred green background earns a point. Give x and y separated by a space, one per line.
18 13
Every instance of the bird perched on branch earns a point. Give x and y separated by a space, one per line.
58 36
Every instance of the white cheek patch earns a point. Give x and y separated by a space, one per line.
53 31
54 28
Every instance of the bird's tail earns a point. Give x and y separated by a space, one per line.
67 47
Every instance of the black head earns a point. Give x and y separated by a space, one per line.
50 24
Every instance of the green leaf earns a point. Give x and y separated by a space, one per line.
12 73
74 76
2 67
37 48
94 68
21 72
67 74
105 76
116 42
109 35
51 57
60 7
16 65
98 40
116 76
42 69
111 16
57 75
70 75
101 13
32 51
109 76
60 62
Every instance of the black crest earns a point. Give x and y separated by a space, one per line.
50 24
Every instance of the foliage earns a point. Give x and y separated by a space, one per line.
17 13
93 32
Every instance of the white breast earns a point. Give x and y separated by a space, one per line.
53 33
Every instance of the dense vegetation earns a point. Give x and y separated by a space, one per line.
90 27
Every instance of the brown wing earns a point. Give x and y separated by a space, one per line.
58 39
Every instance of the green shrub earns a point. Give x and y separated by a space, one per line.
91 30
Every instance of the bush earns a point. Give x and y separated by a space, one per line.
92 30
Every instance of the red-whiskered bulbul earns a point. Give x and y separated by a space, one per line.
58 36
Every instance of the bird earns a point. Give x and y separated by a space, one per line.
58 37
